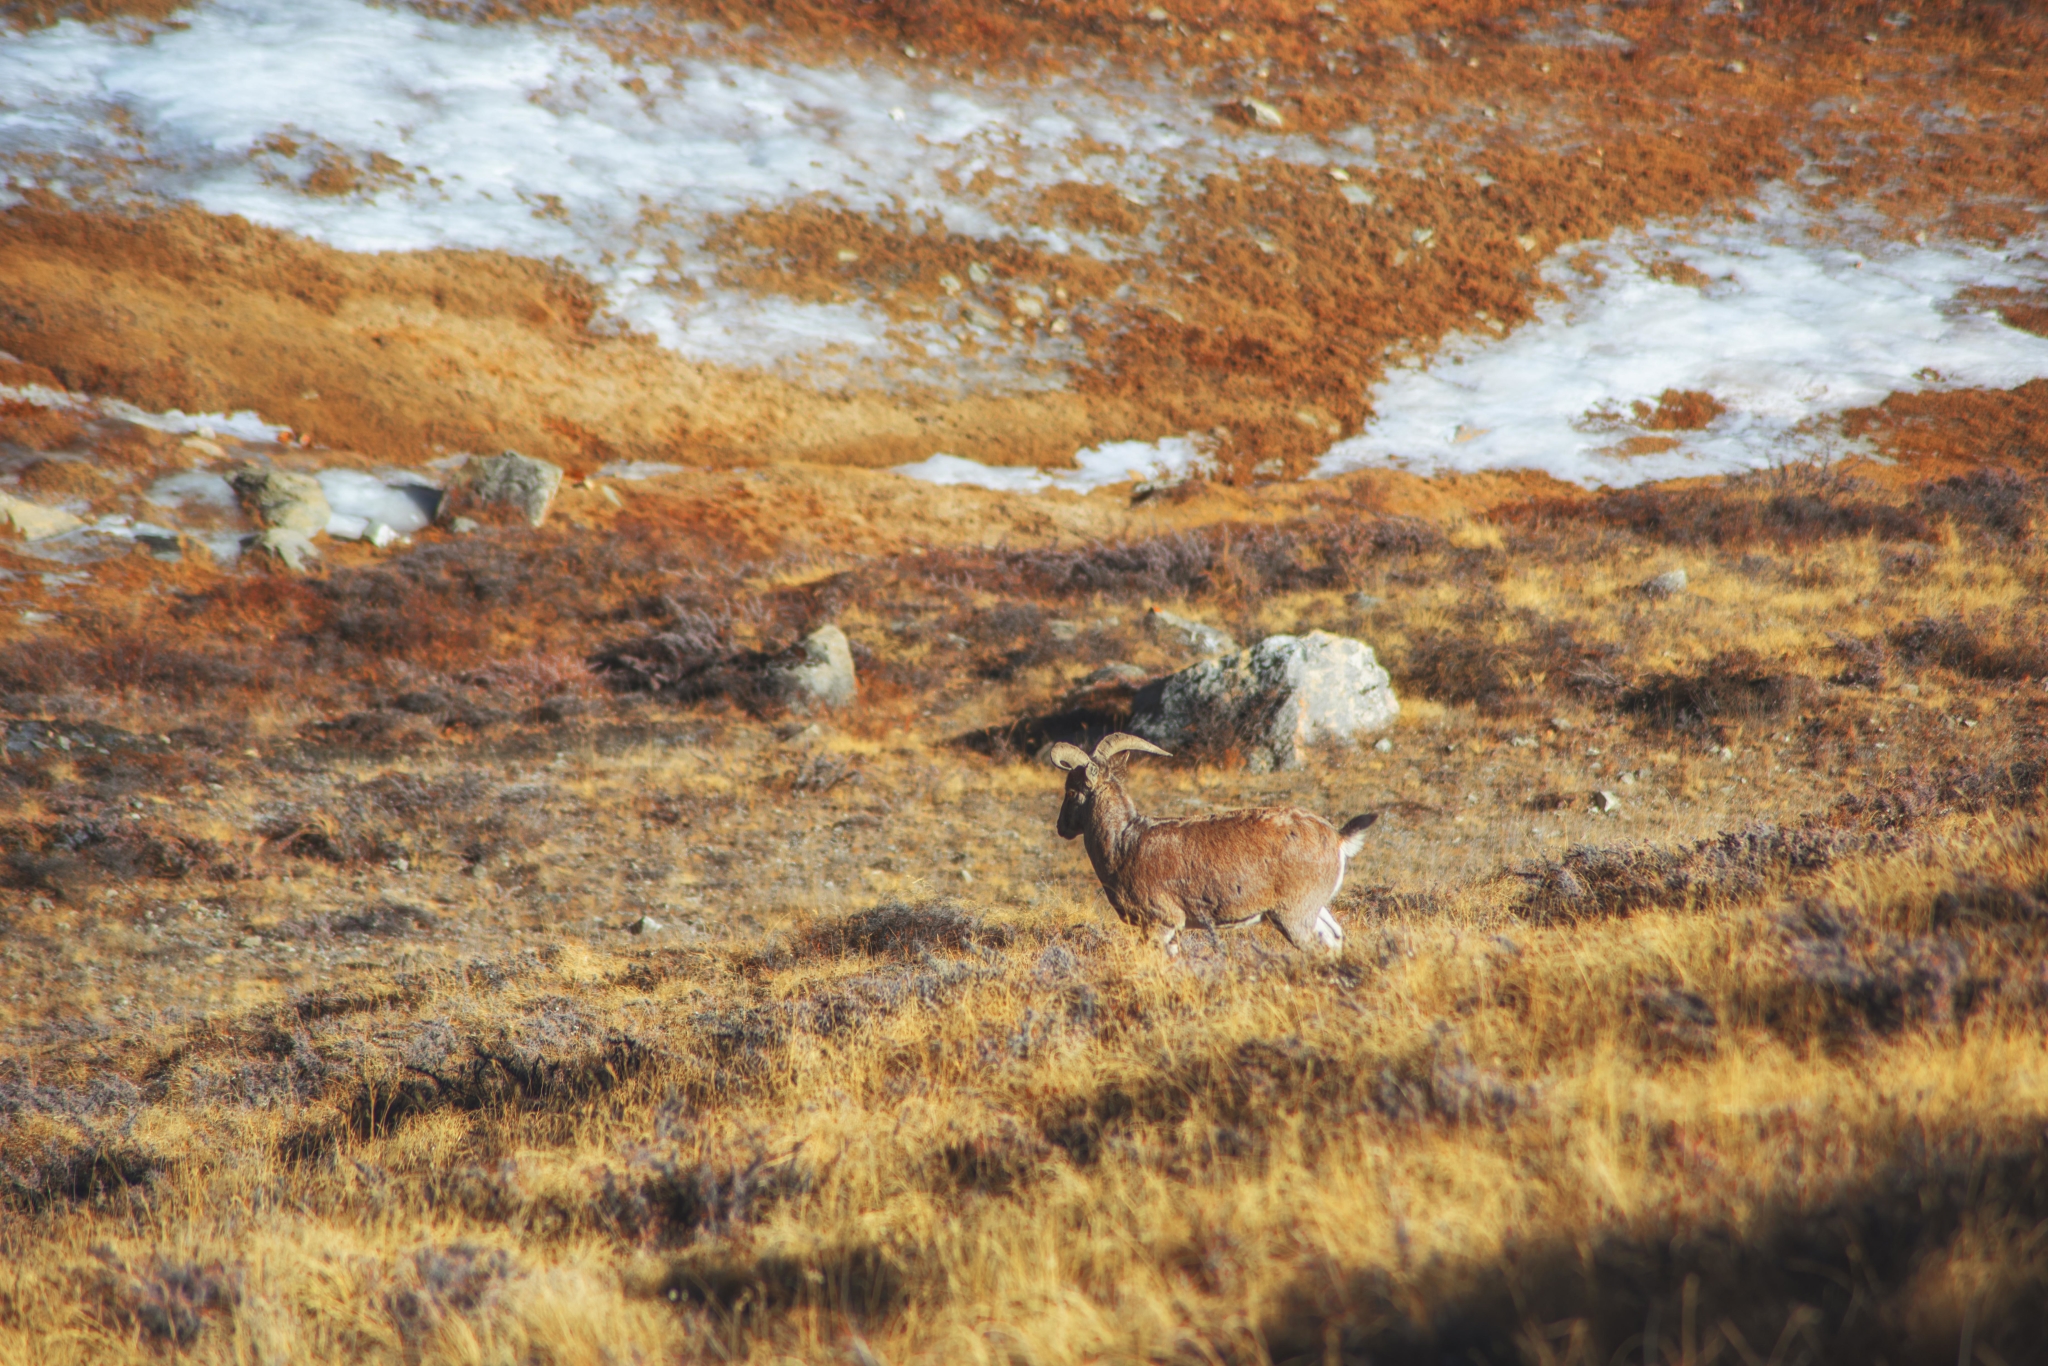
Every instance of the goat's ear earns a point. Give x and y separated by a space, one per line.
1066 756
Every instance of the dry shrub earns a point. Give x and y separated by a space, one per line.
1506 662
169 1303
1840 977
2002 650
1997 502
60 1144
898 929
1736 687
1792 508
1589 881
865 1282
668 1192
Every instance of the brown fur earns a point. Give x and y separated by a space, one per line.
1212 872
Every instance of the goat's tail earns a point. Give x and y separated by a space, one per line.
1353 833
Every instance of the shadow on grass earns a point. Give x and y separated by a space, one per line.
1862 1278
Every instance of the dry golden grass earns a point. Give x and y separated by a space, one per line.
330 1044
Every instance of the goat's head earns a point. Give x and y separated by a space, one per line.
1086 772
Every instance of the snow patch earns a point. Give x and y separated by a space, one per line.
1783 326
1114 462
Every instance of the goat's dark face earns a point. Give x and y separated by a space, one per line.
1080 800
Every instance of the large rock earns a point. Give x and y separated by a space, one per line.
823 674
520 482
1271 702
282 500
33 521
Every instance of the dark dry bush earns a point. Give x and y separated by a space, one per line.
1862 661
667 1195
318 835
1735 687
387 918
169 1303
1974 650
1260 1084
1437 1079
998 1161
458 1279
863 1281
1739 512
1506 662
675 666
1672 1022
1997 501
1591 881
1229 562
282 1067
549 1050
69 856
1840 977
899 929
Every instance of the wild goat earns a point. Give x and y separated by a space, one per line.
1212 872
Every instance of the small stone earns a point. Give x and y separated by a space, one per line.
979 273
283 500
1606 802
1365 602
825 677
1028 306
1200 637
250 941
33 521
1668 584
1157 15
951 284
509 480
1725 754
1560 723
379 535
463 526
646 924
1523 741
1258 113
1736 68
1384 746
1628 780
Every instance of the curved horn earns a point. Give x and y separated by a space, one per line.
1064 755
1119 742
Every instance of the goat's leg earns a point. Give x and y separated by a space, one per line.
1312 932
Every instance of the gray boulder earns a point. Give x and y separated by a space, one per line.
824 677
1187 634
1271 702
1669 584
282 500
520 482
